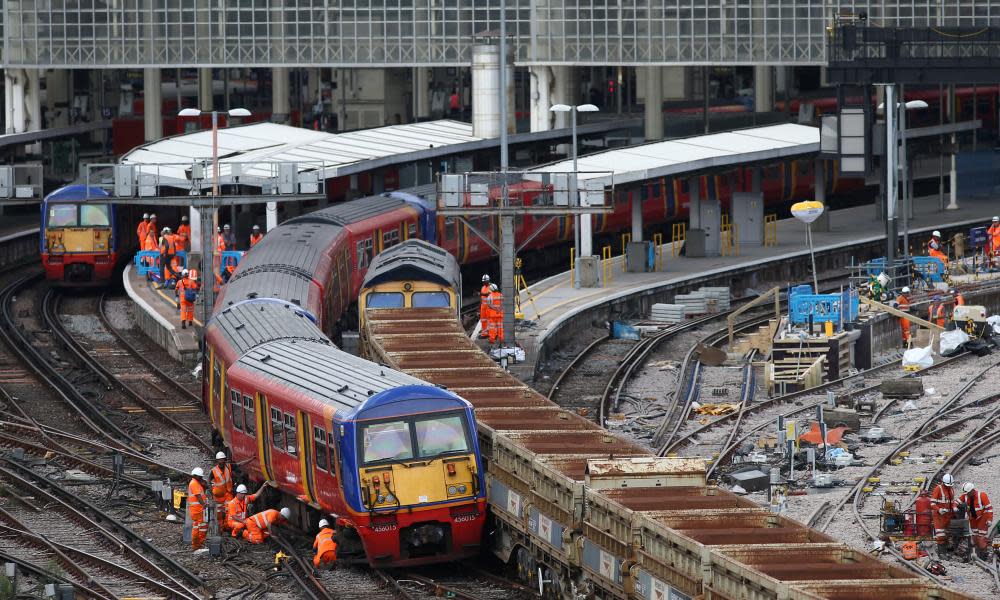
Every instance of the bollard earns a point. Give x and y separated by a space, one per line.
50 590
214 543
66 591
831 399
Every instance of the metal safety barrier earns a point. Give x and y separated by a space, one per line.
770 230
930 267
572 266
626 238
147 261
729 240
607 268
230 258
657 251
678 233
823 308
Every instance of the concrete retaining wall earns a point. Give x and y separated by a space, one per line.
18 246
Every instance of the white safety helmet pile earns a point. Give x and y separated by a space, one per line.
286 512
324 523
948 480
241 489
197 472
218 455
968 487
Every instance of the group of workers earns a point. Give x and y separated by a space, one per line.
939 311
232 512
490 311
971 503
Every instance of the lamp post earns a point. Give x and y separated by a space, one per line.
207 221
807 212
558 108
901 108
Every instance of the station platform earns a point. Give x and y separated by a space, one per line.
555 310
18 238
20 224
158 316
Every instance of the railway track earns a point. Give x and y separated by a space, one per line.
44 523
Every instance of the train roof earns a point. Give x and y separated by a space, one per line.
334 377
270 281
298 248
352 211
414 259
76 193
249 324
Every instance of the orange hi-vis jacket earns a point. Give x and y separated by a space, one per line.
168 244
254 238
222 483
980 508
184 233
326 548
236 509
142 230
258 527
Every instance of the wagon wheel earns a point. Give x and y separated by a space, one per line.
525 565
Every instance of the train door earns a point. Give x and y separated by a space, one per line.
265 436
324 483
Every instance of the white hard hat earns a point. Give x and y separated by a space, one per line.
194 277
146 215
165 230
197 472
948 480
184 272
286 512
218 455
995 219
324 523
241 489
486 277
968 487
493 287
936 233
152 215
256 227
183 218
226 226
906 289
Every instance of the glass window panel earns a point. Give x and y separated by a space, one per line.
62 215
384 300
291 439
95 215
237 409
430 300
249 416
442 435
386 441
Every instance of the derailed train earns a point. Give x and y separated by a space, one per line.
579 510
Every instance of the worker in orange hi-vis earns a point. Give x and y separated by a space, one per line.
227 237
993 238
221 480
943 503
258 527
196 502
187 294
236 509
255 236
903 303
935 247
168 250
980 513
220 241
484 307
496 314
142 229
184 235
326 548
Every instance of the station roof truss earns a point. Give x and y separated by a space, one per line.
692 155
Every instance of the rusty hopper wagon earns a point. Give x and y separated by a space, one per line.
590 512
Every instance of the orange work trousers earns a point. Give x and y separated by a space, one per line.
187 311
254 534
980 528
904 327
941 527
199 528
325 559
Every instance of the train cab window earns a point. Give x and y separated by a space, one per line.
386 441
62 215
441 435
95 215
291 439
277 430
365 253
430 300
319 439
390 238
248 416
237 409
384 300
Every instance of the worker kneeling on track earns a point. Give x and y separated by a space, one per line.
236 509
326 548
258 527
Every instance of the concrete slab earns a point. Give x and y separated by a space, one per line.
555 308
158 316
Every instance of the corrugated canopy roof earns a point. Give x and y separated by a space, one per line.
271 142
688 155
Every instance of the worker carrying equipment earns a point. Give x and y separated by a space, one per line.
943 504
221 480
258 527
196 502
935 247
187 294
495 331
903 304
255 236
326 548
980 512
484 307
236 509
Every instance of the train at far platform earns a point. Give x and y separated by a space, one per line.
84 239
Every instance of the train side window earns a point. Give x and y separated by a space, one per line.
319 438
237 409
390 238
249 417
411 231
216 380
365 253
277 430
291 439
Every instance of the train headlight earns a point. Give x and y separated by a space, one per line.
462 488
390 498
452 490
379 499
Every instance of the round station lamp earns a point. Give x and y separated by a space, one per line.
807 212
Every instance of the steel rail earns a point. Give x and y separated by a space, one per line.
302 571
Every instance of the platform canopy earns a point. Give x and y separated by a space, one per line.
269 143
690 155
